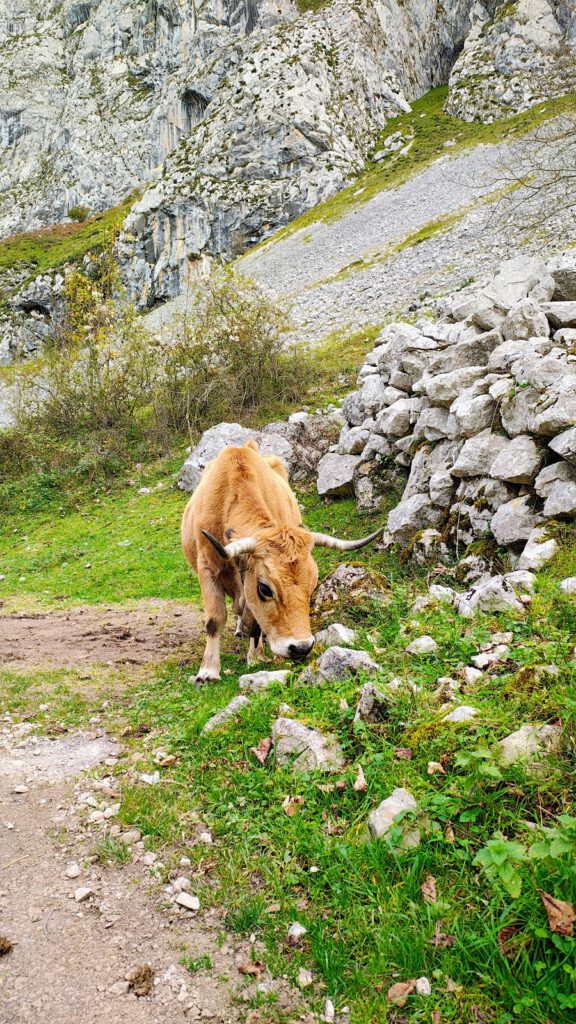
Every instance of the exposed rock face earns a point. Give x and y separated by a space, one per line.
238 115
518 53
491 451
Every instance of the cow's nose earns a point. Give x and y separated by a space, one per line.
300 651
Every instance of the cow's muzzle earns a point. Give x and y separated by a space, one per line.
300 651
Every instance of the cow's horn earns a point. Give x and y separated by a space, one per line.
237 547
324 540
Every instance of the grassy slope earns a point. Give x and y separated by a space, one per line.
368 925
431 129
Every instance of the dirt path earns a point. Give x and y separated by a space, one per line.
110 635
71 960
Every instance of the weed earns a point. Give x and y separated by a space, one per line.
112 851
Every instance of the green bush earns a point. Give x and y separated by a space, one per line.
106 372
79 213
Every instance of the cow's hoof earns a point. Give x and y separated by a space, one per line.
206 675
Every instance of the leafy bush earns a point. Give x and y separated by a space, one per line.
106 372
79 213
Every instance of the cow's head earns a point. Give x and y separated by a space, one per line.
279 576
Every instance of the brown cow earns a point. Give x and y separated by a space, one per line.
242 533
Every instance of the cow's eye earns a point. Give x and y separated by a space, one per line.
264 591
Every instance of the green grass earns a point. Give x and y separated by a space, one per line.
368 925
111 548
49 248
430 129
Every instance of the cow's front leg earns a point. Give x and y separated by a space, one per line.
215 618
256 652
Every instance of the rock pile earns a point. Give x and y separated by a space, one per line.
300 442
480 407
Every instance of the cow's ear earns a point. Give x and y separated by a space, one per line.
216 544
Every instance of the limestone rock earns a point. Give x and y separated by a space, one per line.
514 521
342 662
569 585
565 445
479 453
306 749
528 741
463 713
422 645
526 319
387 813
232 711
518 462
539 549
561 500
412 515
373 705
212 442
560 314
255 682
336 474
337 634
558 472
563 270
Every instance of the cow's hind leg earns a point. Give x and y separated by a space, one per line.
215 617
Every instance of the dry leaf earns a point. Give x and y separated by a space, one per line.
262 750
440 939
6 945
343 705
360 785
254 967
168 760
504 935
428 889
435 768
561 915
449 834
326 787
478 1016
403 753
341 785
292 804
435 1016
452 986
400 991
273 908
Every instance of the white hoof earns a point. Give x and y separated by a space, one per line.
207 675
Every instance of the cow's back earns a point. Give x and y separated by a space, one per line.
240 490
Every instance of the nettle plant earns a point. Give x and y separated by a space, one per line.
509 863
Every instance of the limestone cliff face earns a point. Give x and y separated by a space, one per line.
94 96
292 112
232 116
517 54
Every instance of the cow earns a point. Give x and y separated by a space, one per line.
243 535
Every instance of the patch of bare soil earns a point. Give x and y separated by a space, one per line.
99 634
86 944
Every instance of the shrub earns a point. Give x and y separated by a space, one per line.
79 213
105 372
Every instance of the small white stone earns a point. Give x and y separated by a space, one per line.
472 675
461 714
184 899
422 645
305 978
20 789
83 893
296 931
73 870
423 987
569 585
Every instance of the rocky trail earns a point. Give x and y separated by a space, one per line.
80 931
93 943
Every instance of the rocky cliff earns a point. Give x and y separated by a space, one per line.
231 117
